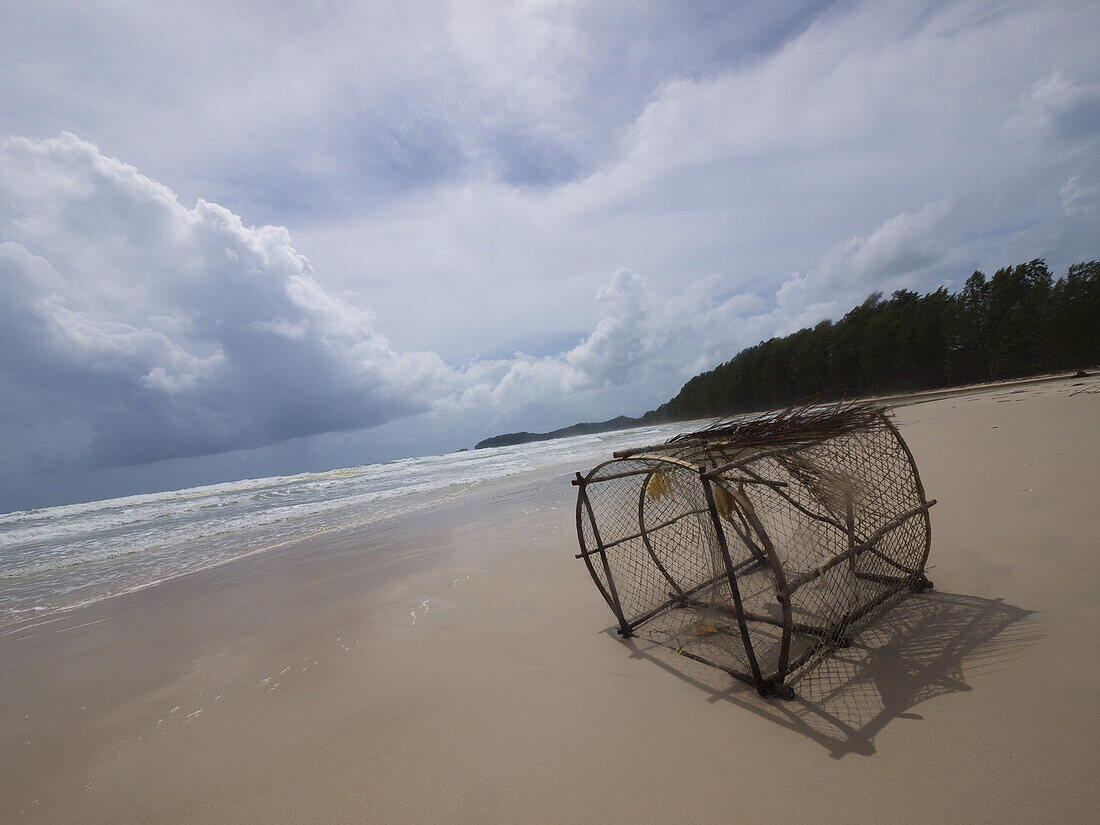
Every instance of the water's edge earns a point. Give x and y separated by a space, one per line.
58 558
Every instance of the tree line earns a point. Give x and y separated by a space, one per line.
1019 322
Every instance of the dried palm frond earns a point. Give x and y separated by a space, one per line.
792 426
658 486
723 502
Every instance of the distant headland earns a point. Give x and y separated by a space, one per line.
621 422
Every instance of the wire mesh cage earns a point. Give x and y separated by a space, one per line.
760 545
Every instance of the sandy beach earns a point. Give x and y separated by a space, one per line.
457 665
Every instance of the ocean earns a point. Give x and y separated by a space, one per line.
58 558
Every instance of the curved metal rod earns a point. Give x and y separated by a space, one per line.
863 547
645 534
782 590
580 540
746 536
920 490
610 594
735 591
789 499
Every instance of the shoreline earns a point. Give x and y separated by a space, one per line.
903 399
147 551
457 664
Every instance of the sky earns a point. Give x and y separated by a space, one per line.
256 238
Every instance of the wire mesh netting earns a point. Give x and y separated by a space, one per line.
757 546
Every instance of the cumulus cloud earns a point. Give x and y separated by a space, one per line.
171 331
160 331
645 187
761 168
346 97
629 345
182 331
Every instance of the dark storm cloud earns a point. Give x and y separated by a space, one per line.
173 331
679 179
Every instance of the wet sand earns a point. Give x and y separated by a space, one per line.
457 666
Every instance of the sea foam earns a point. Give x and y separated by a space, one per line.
61 557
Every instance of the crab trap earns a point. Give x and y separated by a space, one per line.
760 545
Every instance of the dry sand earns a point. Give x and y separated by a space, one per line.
459 668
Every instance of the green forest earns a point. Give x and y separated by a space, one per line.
1019 322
